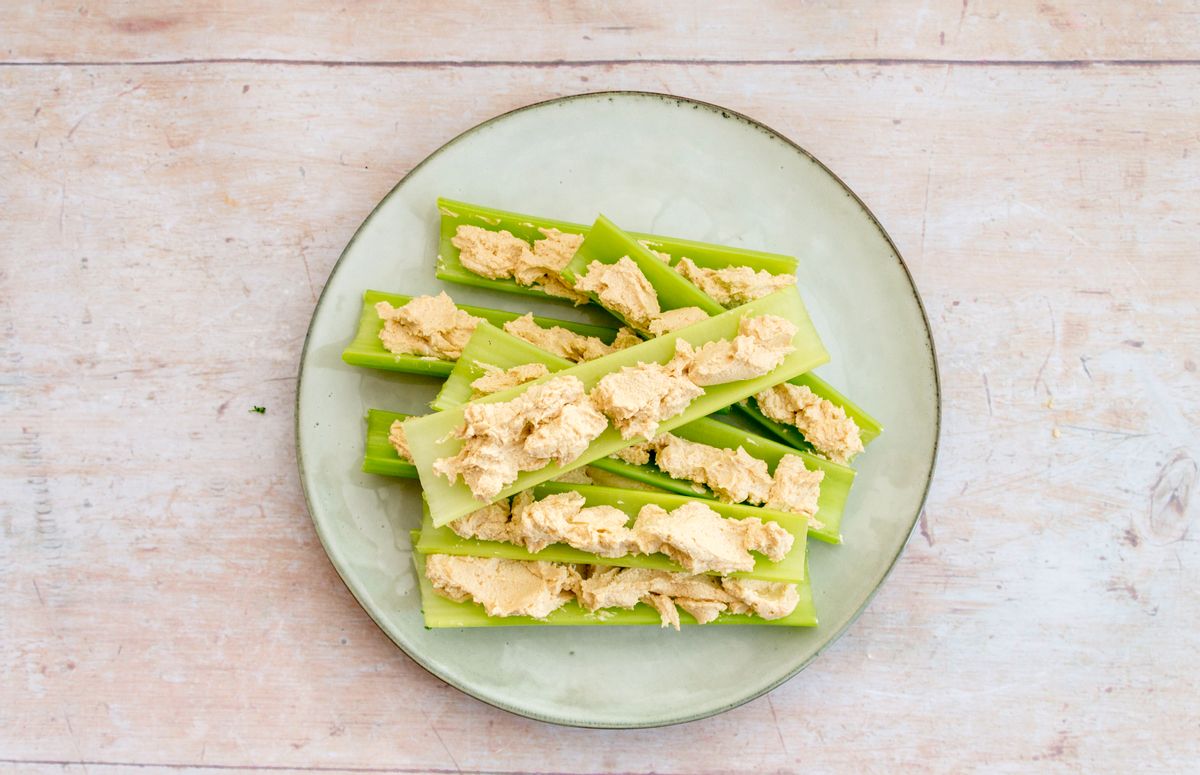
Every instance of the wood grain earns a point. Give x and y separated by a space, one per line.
166 229
538 32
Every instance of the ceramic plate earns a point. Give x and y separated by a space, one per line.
656 164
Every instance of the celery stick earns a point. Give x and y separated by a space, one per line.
366 349
505 351
380 456
431 437
607 244
869 428
441 612
443 540
455 214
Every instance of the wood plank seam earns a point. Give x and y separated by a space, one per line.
552 63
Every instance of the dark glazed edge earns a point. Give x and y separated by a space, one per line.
725 113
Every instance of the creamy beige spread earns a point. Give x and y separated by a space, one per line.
701 540
568 344
427 325
661 256
675 319
563 519
734 476
496 379
499 255
552 420
637 454
637 398
540 268
504 587
622 288
537 589
693 535
490 523
704 597
760 346
794 488
398 440
824 425
768 599
734 285
576 476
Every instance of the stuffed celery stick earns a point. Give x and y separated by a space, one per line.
452 605
627 279
465 253
579 523
435 354
490 351
382 454
809 413
694 383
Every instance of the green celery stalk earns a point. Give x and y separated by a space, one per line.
455 214
380 456
431 437
505 351
607 244
441 612
367 350
869 427
443 540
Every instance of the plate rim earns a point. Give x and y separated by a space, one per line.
724 112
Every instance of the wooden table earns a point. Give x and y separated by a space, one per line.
177 179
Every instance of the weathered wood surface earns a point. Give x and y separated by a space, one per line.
537 31
167 228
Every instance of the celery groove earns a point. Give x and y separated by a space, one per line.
367 350
443 540
430 437
526 227
441 612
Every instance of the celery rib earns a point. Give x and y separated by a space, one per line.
441 612
367 350
380 456
431 437
526 227
443 540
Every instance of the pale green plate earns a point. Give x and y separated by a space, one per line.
656 164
